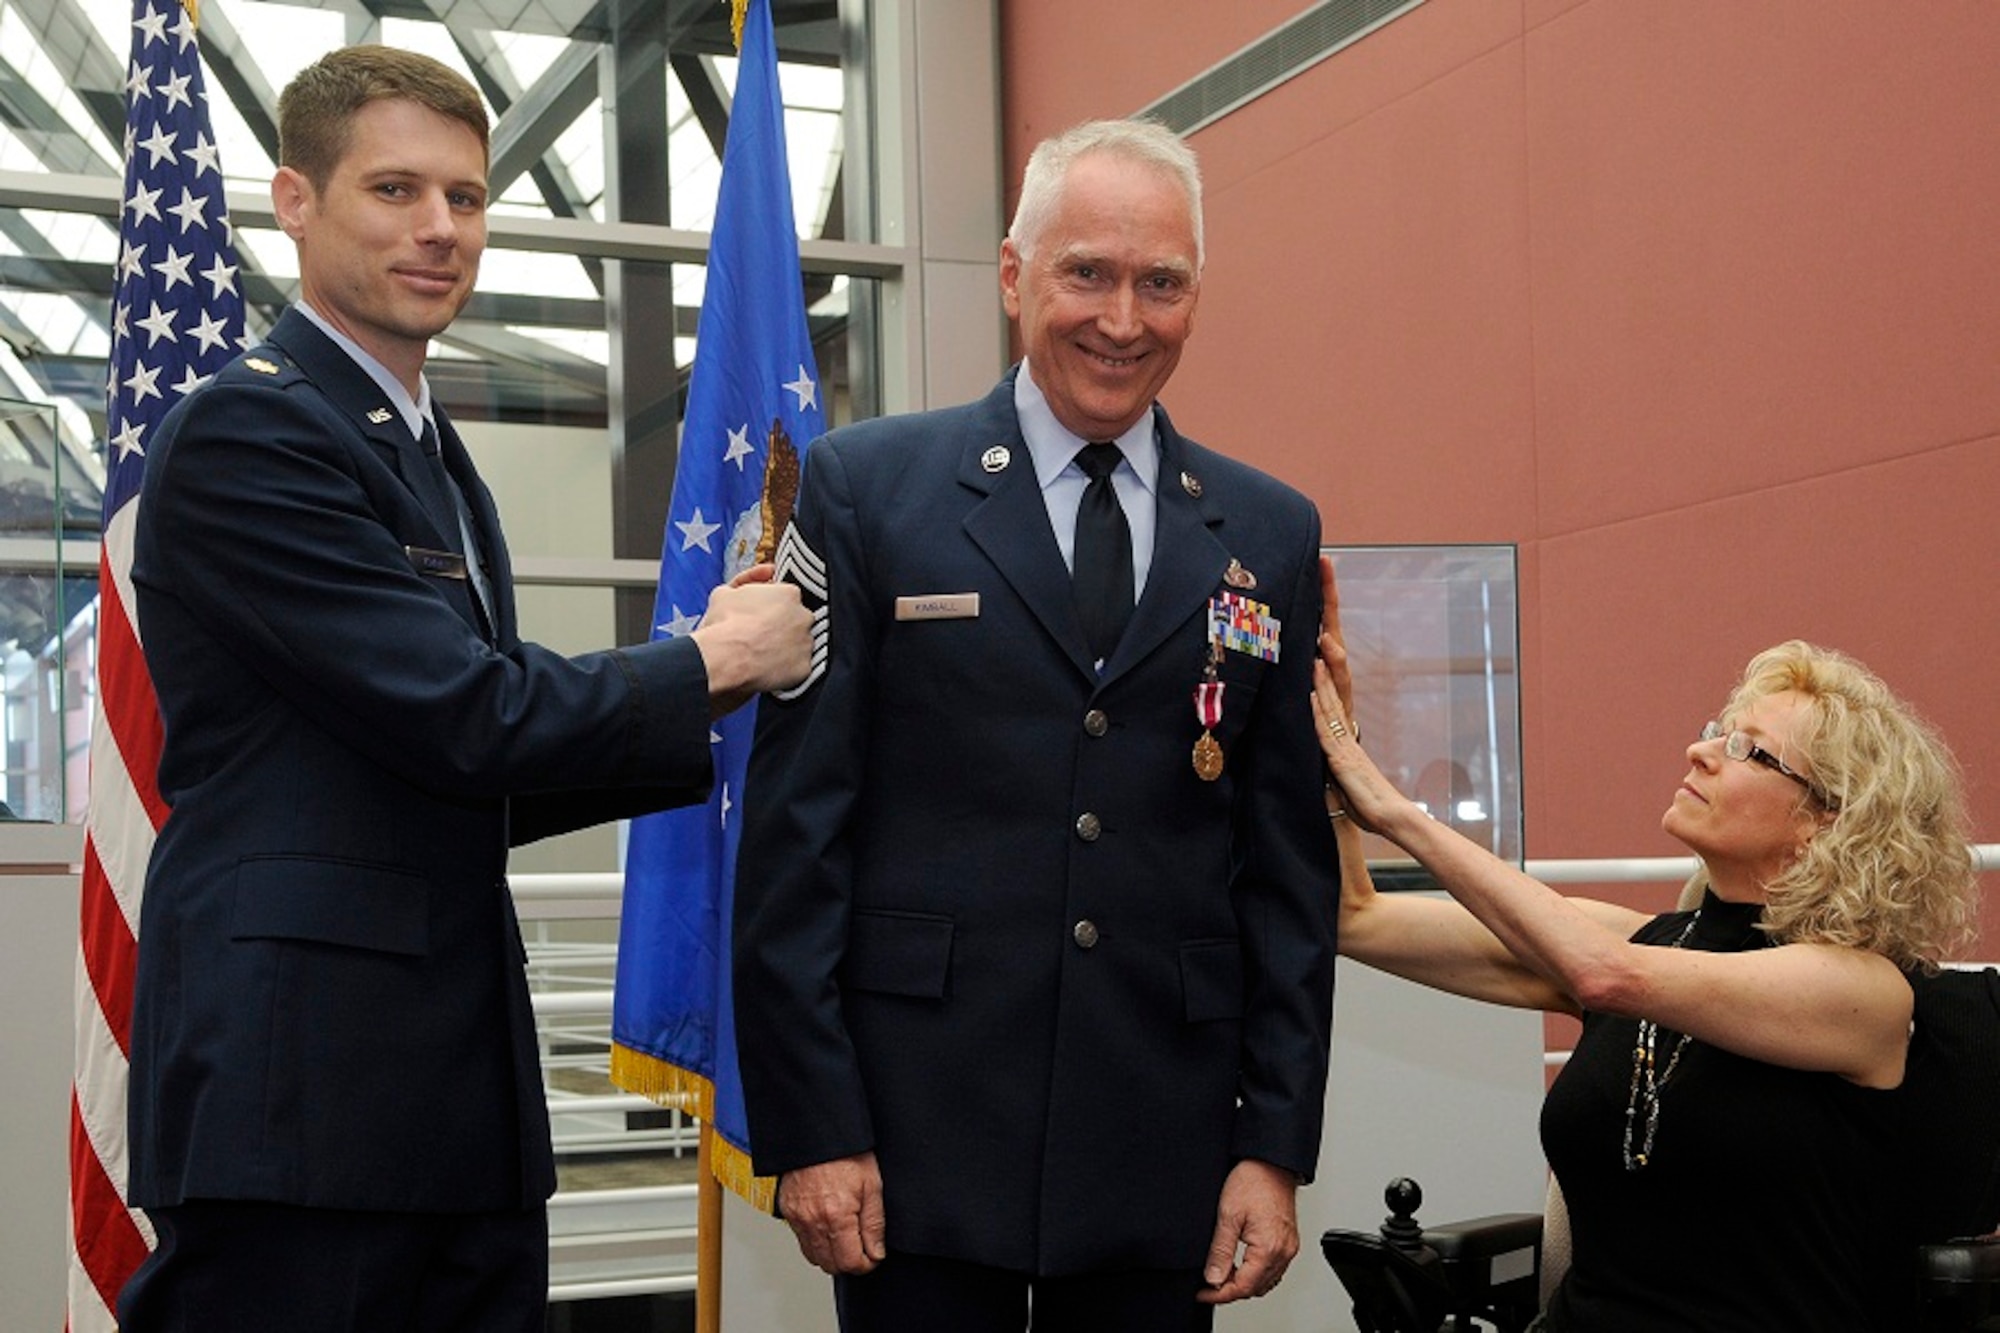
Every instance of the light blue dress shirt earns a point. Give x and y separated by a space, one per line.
1053 449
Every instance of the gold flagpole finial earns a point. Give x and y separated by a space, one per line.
738 9
193 7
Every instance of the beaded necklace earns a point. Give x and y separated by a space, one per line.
1647 1086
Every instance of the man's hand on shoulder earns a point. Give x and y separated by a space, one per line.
1259 1209
756 635
835 1211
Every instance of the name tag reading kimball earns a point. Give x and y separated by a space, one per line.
438 564
939 606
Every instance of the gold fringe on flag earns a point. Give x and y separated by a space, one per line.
738 9
689 1093
193 7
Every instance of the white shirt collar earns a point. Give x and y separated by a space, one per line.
415 413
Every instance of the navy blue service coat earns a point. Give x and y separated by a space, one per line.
990 922
331 1003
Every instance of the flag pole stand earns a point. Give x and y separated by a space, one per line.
707 1238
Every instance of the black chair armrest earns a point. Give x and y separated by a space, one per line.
1958 1285
1972 1259
1485 1237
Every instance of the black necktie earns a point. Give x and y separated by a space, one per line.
475 566
1101 570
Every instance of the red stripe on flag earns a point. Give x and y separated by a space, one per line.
126 688
108 1242
110 950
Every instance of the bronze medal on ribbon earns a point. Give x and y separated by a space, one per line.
1207 758
1208 711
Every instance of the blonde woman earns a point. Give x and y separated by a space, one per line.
1725 1132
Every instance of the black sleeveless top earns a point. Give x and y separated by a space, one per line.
1770 1198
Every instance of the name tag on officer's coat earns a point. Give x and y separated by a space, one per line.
939 606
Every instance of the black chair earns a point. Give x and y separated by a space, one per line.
1484 1272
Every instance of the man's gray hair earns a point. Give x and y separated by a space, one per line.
1142 141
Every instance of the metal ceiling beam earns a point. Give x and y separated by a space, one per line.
564 236
233 67
529 127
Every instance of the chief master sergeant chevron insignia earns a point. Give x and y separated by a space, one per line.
798 563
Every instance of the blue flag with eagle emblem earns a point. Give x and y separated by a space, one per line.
753 406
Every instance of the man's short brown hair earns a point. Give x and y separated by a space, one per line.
316 110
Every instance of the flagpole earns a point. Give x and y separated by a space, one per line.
707 1238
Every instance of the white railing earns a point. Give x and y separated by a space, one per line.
627 1241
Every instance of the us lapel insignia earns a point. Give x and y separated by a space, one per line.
260 365
997 458
379 415
1191 484
1238 577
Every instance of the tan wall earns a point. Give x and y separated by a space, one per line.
1698 303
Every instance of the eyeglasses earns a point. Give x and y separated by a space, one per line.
1737 745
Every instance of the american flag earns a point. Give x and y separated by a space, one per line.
177 318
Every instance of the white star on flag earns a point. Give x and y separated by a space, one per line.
203 155
221 277
161 146
208 332
160 324
174 268
682 623
190 210
739 446
697 532
175 90
142 383
126 441
143 204
153 25
804 387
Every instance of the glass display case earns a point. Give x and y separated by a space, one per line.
1433 634
47 616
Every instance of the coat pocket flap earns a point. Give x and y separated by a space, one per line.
332 902
899 953
1212 980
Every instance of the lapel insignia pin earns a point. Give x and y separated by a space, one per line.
260 365
1238 577
379 415
1191 484
997 458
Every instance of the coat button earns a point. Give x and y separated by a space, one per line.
1085 934
1095 723
1088 826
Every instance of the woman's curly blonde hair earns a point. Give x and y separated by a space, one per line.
1890 869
